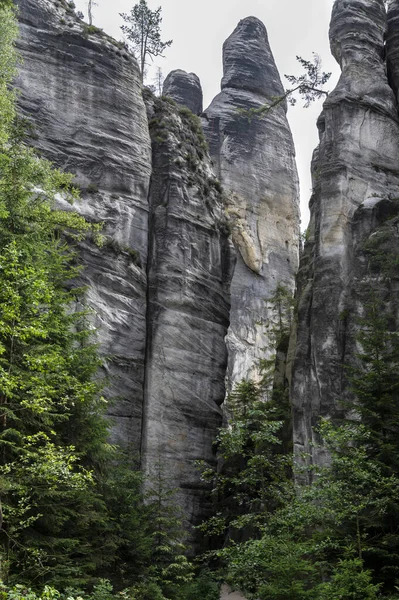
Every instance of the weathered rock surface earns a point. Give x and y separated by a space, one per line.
189 273
83 95
185 89
355 167
255 161
162 336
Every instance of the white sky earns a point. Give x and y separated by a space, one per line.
198 30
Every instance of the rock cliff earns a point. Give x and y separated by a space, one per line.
254 158
82 92
160 285
355 179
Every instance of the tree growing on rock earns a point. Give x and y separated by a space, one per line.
309 85
90 5
143 32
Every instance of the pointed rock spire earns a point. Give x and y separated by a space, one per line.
248 62
255 162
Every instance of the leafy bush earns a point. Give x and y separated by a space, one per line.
204 587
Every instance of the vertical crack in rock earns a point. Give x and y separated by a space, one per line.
189 273
355 166
255 161
82 92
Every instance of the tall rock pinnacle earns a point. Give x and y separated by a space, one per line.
189 273
355 173
255 161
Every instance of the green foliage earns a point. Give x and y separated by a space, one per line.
143 31
336 538
168 565
91 29
310 84
8 60
254 478
20 592
313 547
270 568
204 587
350 582
47 363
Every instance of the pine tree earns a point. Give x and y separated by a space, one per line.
253 476
143 32
375 384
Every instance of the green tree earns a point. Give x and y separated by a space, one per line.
309 86
253 477
314 544
337 538
47 361
168 564
350 582
375 383
143 32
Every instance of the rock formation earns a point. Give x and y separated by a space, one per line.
189 274
162 341
82 92
185 89
255 161
355 174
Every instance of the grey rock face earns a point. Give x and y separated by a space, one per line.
255 162
189 274
356 163
162 336
82 93
185 89
248 63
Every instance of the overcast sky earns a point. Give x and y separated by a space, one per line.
198 30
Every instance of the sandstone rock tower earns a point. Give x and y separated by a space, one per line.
355 181
255 161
